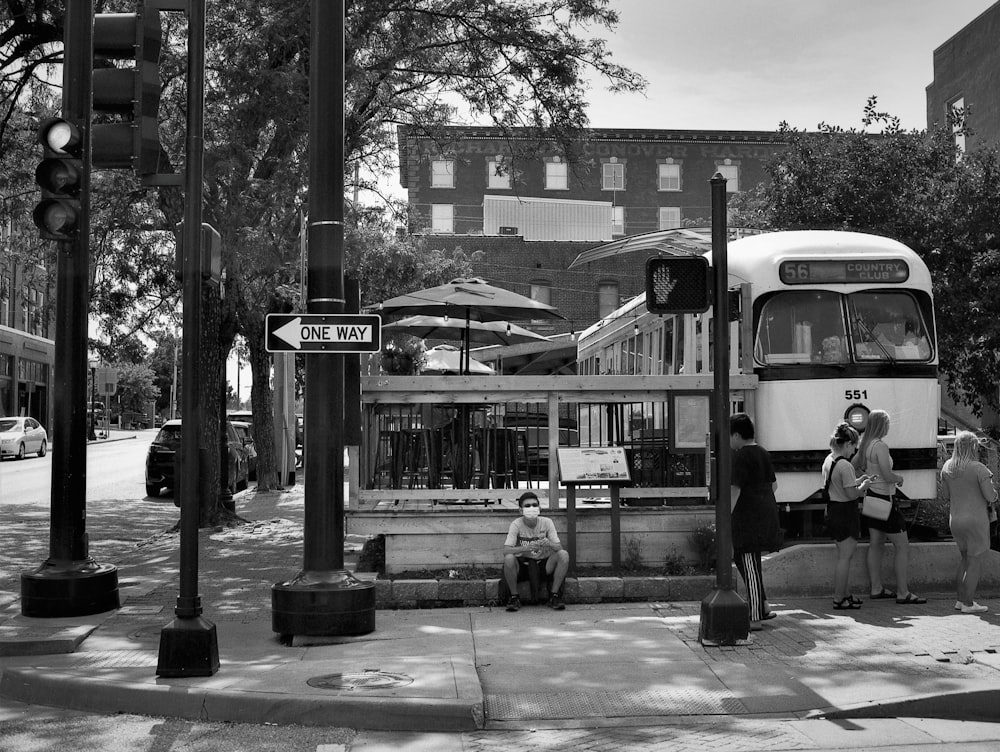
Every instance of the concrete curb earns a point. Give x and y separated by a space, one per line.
211 703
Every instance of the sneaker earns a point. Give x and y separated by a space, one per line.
975 608
514 603
556 602
959 605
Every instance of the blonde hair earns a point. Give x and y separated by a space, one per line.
877 428
966 451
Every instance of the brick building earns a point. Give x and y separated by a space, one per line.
530 209
26 350
967 77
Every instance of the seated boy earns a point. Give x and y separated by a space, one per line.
532 537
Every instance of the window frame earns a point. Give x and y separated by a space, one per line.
435 220
449 173
552 180
660 169
616 167
662 224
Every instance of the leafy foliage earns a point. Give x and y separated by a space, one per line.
914 187
423 64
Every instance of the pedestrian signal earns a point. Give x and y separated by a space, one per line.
678 284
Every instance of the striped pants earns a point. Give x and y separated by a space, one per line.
748 563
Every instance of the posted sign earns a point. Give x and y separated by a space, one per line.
323 332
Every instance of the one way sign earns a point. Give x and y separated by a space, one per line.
322 332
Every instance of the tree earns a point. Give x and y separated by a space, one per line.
916 188
423 63
135 389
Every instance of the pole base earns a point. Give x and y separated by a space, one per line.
725 618
75 588
188 647
323 604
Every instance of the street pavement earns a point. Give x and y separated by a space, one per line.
595 676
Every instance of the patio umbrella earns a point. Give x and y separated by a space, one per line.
482 332
448 359
469 299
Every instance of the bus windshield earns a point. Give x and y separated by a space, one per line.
812 327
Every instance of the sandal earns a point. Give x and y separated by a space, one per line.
911 599
883 594
850 602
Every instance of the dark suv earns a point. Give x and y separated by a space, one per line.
162 457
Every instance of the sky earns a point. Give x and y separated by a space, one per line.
749 64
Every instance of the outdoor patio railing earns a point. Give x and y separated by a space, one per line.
445 439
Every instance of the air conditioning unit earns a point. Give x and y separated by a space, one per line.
508 231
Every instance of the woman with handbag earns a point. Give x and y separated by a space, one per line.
843 489
881 511
968 484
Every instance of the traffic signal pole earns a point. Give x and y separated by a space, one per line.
725 618
70 582
189 644
324 598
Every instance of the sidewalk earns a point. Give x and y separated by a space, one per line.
613 665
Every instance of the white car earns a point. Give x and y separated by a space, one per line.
21 436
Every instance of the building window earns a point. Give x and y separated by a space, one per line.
617 220
443 218
670 217
555 176
731 173
668 177
443 173
542 292
613 176
607 298
956 116
497 175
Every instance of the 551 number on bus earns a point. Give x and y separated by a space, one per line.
855 394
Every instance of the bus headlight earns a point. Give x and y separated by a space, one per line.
857 417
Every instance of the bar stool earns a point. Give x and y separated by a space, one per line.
414 462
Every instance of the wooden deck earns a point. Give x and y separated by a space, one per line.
442 528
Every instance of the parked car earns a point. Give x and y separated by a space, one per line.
20 436
161 468
245 432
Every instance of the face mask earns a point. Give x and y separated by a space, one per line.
530 512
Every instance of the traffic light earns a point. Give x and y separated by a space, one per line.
60 176
678 284
129 97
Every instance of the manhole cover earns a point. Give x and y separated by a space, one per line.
361 680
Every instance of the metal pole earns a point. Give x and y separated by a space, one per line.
324 599
189 644
70 582
724 614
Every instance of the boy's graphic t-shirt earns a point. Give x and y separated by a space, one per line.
519 534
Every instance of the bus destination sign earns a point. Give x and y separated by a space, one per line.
860 271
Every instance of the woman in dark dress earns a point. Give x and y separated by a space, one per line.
755 512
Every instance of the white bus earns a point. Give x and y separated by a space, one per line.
833 324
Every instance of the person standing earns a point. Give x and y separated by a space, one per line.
873 459
968 484
844 489
533 540
755 512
